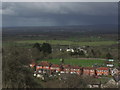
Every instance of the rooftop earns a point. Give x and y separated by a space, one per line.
55 65
75 67
44 63
89 68
102 68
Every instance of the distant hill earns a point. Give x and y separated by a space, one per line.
93 29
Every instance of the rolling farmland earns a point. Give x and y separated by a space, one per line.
65 42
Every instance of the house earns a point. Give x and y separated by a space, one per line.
75 70
43 66
40 76
35 73
80 49
66 68
110 65
114 71
55 67
39 66
70 50
102 71
62 71
111 60
95 84
89 71
32 64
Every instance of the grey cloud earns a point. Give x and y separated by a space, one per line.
60 8
58 13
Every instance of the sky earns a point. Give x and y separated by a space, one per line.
59 0
58 13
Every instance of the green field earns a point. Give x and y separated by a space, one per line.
65 42
80 62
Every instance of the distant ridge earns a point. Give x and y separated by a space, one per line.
84 29
97 25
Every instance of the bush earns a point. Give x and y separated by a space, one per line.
16 74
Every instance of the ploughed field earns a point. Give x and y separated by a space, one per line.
77 61
68 42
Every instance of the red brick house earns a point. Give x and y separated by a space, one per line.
32 64
66 68
102 71
89 71
76 70
55 67
46 67
43 65
39 66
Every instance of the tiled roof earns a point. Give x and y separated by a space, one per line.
55 65
44 63
102 68
75 67
89 68
67 66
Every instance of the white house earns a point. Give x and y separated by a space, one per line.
80 49
70 50
109 65
114 71
111 60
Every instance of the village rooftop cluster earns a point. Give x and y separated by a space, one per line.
45 67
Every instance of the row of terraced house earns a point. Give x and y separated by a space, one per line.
46 67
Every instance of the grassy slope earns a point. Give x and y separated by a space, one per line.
80 62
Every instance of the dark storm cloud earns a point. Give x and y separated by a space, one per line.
51 14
